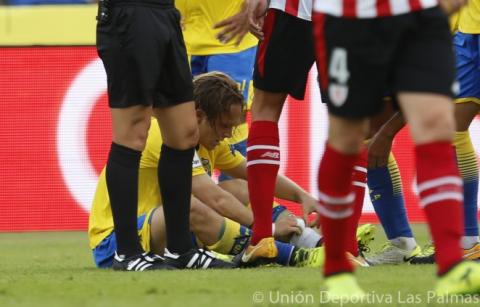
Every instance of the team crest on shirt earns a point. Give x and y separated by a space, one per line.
206 166
338 94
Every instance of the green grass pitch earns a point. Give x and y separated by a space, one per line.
56 269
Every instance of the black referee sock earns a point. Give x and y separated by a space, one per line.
122 184
175 178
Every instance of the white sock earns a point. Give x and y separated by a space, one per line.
308 238
404 243
469 241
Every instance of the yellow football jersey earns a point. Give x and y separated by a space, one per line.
101 222
468 19
198 18
240 134
222 157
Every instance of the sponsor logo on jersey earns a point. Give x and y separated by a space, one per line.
196 161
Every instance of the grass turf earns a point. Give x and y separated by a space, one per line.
56 269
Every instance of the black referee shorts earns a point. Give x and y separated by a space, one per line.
142 48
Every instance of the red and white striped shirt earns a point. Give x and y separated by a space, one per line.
298 8
371 8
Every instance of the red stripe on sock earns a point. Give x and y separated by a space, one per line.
335 179
361 177
262 178
445 217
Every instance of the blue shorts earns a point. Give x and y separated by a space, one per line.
467 48
104 252
277 210
239 66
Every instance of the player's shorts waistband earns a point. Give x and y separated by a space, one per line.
160 3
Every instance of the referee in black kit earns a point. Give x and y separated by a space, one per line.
141 45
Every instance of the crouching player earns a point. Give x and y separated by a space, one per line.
219 220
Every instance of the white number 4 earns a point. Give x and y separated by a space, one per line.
338 69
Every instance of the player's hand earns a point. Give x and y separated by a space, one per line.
182 22
257 28
310 208
451 6
379 149
249 19
285 227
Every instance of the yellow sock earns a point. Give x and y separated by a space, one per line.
233 239
395 175
466 157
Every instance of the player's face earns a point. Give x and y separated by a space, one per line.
212 133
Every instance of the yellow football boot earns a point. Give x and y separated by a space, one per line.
343 288
264 252
472 253
309 257
464 278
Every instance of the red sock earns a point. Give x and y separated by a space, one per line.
359 184
440 188
263 162
336 207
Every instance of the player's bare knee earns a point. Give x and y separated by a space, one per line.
192 137
185 139
267 106
347 135
133 133
267 111
198 215
141 136
347 143
437 125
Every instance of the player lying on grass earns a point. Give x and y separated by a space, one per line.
219 220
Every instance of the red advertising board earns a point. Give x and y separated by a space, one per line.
55 134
